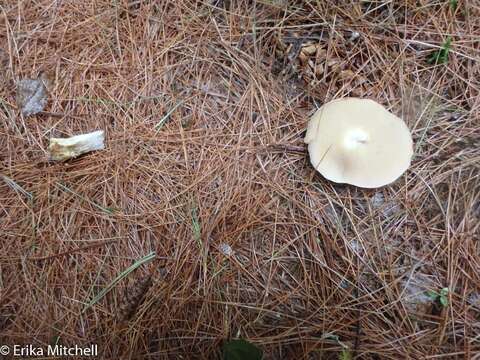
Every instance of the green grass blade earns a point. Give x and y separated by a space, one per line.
119 277
441 56
163 120
17 188
107 210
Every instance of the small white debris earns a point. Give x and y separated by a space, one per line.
225 249
354 36
377 200
474 299
67 148
356 247
344 284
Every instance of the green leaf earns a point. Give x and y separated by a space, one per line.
241 350
55 340
345 355
197 227
111 210
441 56
444 297
432 295
331 337
453 4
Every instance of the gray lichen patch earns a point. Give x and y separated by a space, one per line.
415 292
31 96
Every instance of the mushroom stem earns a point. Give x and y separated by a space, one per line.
67 148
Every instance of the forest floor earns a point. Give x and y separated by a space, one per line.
204 105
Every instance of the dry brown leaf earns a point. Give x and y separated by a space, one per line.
309 49
319 69
347 74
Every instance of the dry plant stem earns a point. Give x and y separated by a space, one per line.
227 166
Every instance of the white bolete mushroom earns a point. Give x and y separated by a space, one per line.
358 142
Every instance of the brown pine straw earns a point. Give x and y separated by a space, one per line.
316 266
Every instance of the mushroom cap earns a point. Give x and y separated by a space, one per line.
358 142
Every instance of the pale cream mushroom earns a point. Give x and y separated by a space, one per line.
358 142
